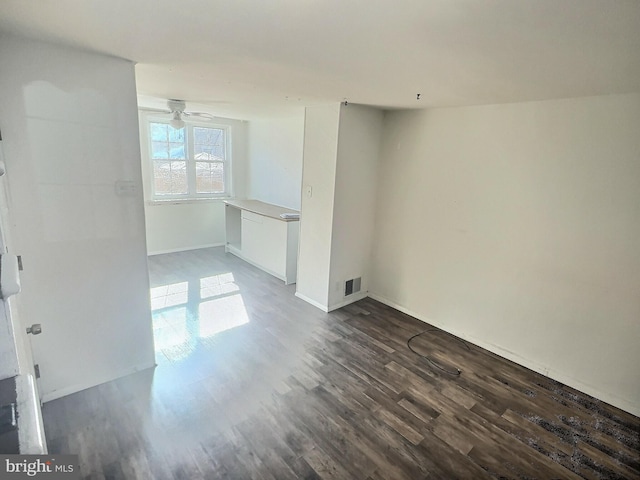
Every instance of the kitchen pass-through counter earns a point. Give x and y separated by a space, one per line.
264 235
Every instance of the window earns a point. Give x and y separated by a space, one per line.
190 162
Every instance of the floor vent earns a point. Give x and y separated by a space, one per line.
352 286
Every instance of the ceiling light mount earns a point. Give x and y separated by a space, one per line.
176 106
177 122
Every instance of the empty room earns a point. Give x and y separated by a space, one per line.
320 239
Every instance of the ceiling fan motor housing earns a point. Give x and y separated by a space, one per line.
177 110
176 105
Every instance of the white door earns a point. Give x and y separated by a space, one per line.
16 356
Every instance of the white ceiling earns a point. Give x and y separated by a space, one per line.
250 55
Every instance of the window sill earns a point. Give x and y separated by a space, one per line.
184 201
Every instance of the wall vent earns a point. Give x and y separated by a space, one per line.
352 286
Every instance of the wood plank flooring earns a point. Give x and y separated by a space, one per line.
253 383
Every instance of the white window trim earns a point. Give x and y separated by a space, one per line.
191 180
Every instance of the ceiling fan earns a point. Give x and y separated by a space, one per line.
176 108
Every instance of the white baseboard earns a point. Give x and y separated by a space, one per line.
184 249
547 371
352 298
63 392
324 308
234 251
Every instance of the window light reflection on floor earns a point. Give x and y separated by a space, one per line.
185 313
170 328
217 285
169 295
221 314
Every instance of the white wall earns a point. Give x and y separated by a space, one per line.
176 226
316 217
184 226
341 150
517 227
275 160
16 356
8 353
70 132
9 328
353 208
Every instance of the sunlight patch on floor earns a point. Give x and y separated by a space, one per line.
221 314
169 295
217 285
184 313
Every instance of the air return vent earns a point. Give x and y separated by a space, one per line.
352 286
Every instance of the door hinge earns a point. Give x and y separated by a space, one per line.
20 267
36 367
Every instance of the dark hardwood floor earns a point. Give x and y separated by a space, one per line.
253 383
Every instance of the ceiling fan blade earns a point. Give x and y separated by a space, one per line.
155 110
202 115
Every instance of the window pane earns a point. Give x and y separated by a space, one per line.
174 160
159 132
209 177
176 150
159 150
170 178
167 142
176 135
209 143
208 136
179 177
162 178
209 152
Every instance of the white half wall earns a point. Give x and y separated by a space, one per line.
174 226
517 227
316 218
70 132
353 206
275 160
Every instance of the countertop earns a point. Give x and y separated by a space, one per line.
262 208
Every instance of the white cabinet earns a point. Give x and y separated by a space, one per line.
256 233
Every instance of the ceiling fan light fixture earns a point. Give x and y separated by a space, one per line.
176 122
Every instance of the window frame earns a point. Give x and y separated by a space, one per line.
190 160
